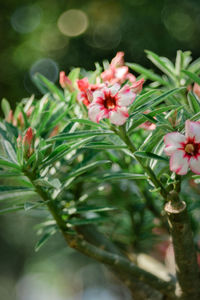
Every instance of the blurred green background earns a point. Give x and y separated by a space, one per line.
49 36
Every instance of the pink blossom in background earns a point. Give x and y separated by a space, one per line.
148 125
86 90
117 71
184 150
112 102
196 89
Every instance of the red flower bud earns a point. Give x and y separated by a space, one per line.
9 117
27 139
27 142
65 82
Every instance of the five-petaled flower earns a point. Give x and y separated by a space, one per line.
184 149
112 102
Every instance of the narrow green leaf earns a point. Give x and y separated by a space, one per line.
146 154
74 75
79 222
16 194
52 159
87 208
193 102
119 176
11 209
51 86
150 118
5 107
5 188
5 162
5 174
147 73
160 63
192 76
142 99
86 168
44 239
194 67
106 146
87 122
52 124
91 208
55 183
10 151
79 134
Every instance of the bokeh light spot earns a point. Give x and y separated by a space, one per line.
47 67
26 18
104 36
179 24
51 39
73 22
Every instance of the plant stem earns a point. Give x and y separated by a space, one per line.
184 249
117 262
181 232
122 134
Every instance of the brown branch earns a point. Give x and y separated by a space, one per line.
184 250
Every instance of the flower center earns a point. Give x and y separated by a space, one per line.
110 102
192 149
189 148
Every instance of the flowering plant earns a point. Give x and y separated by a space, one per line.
112 158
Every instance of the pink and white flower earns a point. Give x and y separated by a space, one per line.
112 102
117 71
184 150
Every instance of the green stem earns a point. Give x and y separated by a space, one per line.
122 134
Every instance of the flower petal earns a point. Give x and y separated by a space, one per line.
126 96
121 73
179 163
118 60
131 77
137 86
114 89
195 164
83 84
98 96
108 74
192 130
118 116
97 112
173 141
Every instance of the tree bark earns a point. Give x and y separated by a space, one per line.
184 250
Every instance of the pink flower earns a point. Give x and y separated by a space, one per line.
184 149
112 103
86 90
65 82
118 60
148 125
196 89
117 72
